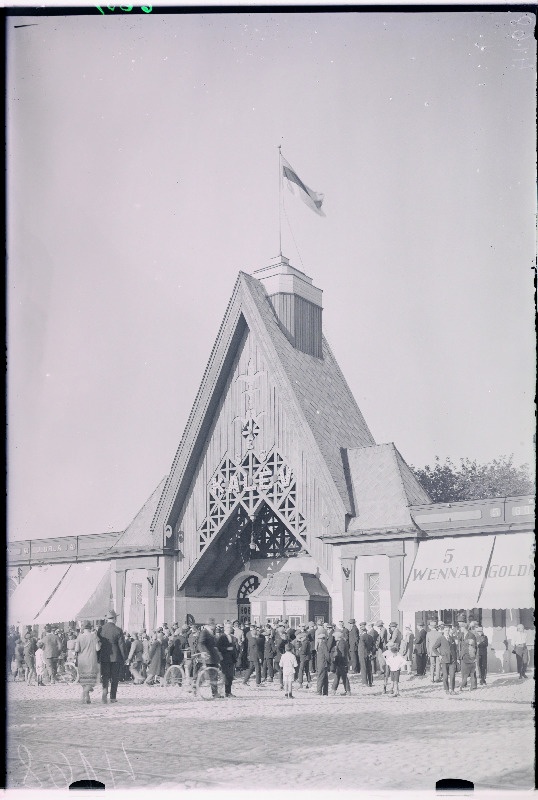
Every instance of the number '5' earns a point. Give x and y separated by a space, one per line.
448 556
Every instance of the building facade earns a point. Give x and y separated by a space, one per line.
279 503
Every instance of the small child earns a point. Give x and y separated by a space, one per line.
40 663
395 661
288 663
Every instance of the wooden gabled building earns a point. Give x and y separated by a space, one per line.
279 503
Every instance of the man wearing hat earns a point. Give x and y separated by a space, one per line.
323 664
420 650
446 650
482 653
255 654
229 651
353 642
112 656
365 651
431 638
52 647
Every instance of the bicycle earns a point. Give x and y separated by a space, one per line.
208 681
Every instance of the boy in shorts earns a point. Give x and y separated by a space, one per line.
395 661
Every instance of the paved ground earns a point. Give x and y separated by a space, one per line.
161 737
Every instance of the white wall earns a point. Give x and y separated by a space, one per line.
134 576
363 566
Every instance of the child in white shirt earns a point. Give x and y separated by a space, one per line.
395 661
288 663
40 663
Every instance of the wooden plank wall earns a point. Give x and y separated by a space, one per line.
276 430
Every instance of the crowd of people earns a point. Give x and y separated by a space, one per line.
320 656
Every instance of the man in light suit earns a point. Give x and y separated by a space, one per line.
112 656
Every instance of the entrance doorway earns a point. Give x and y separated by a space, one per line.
243 602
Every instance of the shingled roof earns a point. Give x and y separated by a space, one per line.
383 488
326 400
318 392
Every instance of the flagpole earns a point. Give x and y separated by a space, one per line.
280 200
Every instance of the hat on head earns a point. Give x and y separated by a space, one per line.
408 627
47 628
380 622
441 625
111 614
393 625
87 625
351 622
362 624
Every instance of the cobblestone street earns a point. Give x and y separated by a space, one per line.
162 737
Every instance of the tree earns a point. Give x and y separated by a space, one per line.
448 483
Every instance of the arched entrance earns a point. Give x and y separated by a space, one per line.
243 602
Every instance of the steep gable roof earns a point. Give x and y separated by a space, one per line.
324 396
138 532
319 398
383 488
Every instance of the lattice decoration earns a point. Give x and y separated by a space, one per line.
255 480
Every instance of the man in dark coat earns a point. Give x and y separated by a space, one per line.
331 641
323 658
482 654
467 654
353 645
445 649
365 651
228 647
269 652
302 651
311 633
255 653
341 663
51 650
112 656
207 647
420 650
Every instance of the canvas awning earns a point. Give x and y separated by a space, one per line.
447 573
472 572
510 578
37 586
84 593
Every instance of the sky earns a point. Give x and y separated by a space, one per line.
143 176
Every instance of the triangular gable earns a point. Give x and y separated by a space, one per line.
138 533
324 410
383 488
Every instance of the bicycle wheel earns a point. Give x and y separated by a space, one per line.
70 674
174 676
209 683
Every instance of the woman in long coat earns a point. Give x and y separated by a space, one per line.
86 647
155 666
